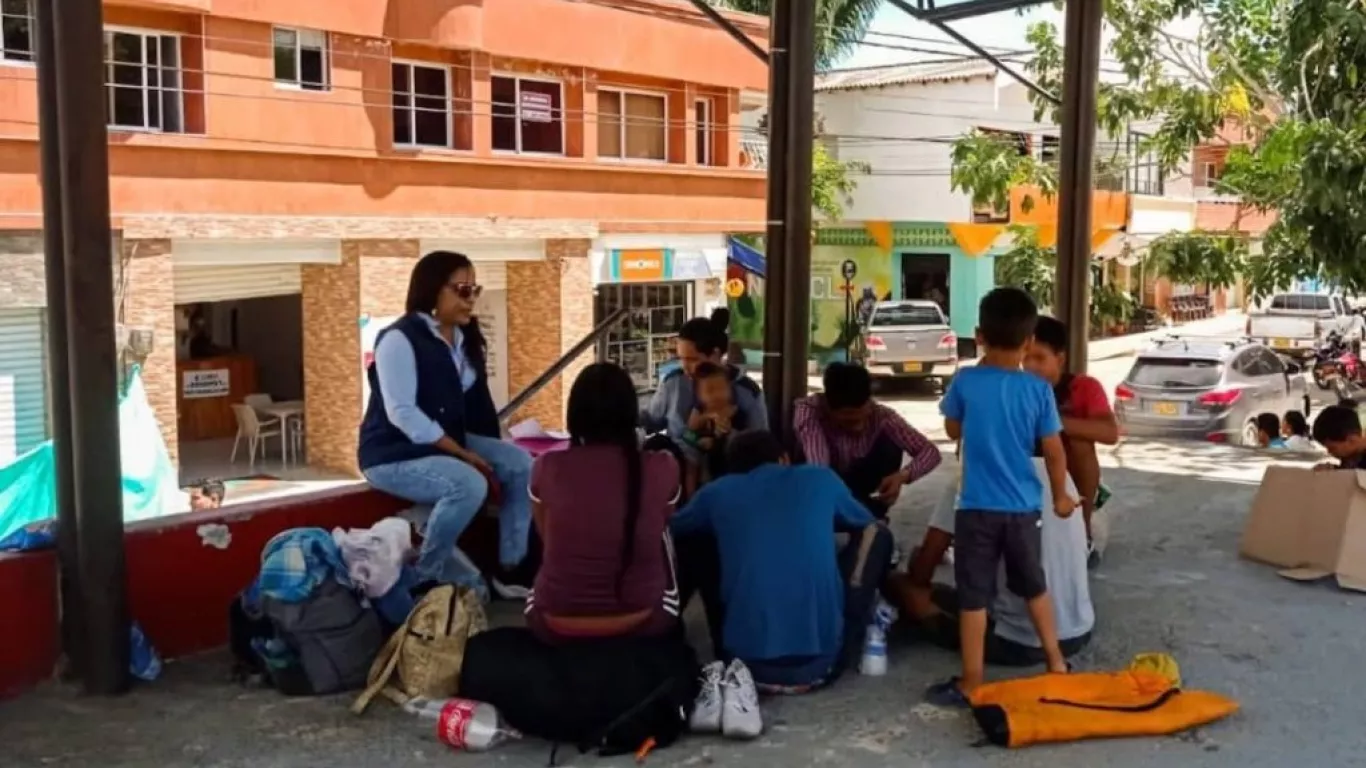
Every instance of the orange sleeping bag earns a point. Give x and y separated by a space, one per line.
1093 705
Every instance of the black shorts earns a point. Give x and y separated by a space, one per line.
982 540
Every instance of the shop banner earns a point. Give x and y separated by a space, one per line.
642 265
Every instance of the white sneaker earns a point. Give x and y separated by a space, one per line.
706 713
509 591
740 716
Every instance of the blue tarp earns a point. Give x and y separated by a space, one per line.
745 257
150 481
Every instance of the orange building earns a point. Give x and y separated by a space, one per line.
277 167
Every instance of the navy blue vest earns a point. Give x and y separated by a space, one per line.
439 395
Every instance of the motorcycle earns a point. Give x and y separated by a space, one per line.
1335 361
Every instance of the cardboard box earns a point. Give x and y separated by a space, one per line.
1310 524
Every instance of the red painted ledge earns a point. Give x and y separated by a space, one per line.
179 586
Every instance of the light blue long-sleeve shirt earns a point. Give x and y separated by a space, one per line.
396 368
674 400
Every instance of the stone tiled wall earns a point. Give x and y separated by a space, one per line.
22 281
385 266
147 301
332 362
550 307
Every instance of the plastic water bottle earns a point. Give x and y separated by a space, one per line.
472 726
874 662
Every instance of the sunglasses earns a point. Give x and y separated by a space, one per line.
466 291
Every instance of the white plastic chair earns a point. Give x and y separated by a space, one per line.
250 426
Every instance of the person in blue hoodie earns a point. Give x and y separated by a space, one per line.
700 340
430 433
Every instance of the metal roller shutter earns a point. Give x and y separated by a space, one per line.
23 382
196 283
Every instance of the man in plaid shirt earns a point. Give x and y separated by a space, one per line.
865 442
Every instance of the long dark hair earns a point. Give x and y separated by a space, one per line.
603 411
430 276
708 334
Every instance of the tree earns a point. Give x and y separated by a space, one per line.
832 182
1028 266
1288 73
840 24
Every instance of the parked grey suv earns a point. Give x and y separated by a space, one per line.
1207 389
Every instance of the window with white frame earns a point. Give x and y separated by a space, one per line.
633 125
16 30
422 105
702 125
143 81
528 115
301 58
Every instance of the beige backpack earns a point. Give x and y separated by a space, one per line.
424 655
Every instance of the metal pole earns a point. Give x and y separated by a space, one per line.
1081 67
92 353
775 239
59 389
729 28
801 89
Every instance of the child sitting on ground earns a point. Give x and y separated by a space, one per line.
1295 431
1269 431
710 424
1001 413
1338 430
1087 419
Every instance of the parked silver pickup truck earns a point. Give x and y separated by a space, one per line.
910 338
1295 323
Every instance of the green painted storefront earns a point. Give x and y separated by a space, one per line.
879 272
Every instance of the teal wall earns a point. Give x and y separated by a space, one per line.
969 281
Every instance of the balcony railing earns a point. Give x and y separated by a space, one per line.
754 151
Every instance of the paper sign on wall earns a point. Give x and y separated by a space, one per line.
200 384
537 107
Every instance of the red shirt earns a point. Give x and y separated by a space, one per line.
1086 399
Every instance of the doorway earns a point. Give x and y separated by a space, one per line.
926 276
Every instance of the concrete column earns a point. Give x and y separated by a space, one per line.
147 301
332 360
550 308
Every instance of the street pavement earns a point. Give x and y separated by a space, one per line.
1171 582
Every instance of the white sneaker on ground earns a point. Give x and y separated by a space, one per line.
740 715
509 591
706 713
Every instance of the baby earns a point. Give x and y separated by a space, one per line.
712 420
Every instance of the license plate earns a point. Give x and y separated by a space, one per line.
911 367
1281 343
1167 409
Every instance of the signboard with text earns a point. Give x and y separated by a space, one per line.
536 107
210 383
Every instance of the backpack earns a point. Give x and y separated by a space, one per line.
332 635
424 656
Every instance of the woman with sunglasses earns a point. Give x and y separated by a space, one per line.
430 432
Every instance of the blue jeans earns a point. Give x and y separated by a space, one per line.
456 492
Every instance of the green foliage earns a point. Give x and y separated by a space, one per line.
1028 266
1110 306
832 184
1198 258
987 168
1292 75
840 24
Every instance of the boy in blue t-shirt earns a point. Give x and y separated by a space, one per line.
1000 414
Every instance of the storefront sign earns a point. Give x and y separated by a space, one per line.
537 107
690 265
641 266
200 384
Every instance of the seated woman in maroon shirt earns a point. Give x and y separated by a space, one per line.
602 509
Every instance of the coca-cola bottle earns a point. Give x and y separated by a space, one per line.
472 726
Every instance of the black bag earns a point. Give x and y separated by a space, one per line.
333 639
608 695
